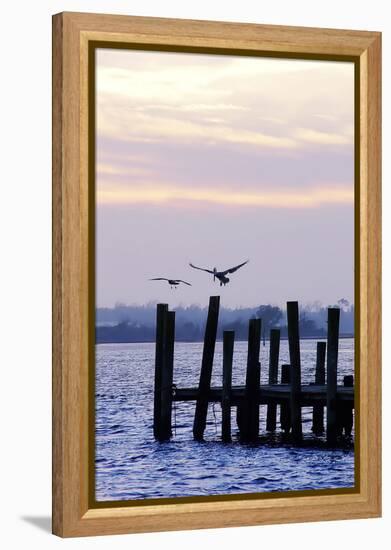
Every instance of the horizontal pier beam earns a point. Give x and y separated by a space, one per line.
310 395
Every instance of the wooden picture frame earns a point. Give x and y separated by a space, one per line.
74 35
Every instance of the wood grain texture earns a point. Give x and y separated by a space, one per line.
57 413
370 273
194 33
72 290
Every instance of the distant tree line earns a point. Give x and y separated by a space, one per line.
123 324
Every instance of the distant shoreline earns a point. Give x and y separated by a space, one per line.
136 324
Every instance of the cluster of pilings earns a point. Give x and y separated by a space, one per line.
289 395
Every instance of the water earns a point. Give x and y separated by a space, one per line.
131 465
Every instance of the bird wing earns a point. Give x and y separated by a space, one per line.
180 281
201 268
233 269
159 279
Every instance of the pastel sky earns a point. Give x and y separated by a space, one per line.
215 160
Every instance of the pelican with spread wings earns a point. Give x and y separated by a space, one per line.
220 275
172 282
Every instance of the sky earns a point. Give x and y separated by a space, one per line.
218 159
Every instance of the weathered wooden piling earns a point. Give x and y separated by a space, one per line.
294 353
348 381
285 410
206 368
320 379
345 411
161 311
249 428
167 372
274 353
228 349
332 362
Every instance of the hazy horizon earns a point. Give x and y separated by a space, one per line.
152 303
215 160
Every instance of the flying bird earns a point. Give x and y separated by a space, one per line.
221 275
172 282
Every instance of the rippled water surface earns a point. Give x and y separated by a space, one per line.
131 465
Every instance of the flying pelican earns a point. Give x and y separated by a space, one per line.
221 275
172 282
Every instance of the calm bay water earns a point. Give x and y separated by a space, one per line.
130 464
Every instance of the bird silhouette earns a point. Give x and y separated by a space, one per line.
172 282
220 275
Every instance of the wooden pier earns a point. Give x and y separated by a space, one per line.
289 395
